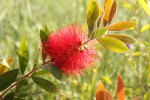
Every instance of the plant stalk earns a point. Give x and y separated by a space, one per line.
15 83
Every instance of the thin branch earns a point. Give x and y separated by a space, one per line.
15 83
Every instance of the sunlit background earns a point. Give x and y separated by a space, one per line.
18 17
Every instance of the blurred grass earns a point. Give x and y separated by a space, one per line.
28 16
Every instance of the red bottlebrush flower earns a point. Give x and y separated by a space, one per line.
66 50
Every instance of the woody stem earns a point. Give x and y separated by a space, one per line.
15 83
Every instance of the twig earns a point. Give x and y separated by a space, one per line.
15 83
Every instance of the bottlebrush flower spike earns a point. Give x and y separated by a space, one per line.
66 50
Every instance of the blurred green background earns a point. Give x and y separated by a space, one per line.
18 17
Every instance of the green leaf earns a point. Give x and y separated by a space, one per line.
146 95
54 70
36 59
9 96
41 72
127 39
92 14
113 44
23 55
46 29
28 94
21 84
8 78
23 87
145 28
43 35
145 6
46 85
100 32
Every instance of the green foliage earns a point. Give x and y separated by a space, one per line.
145 5
22 96
54 70
100 32
113 44
29 18
46 29
8 78
92 14
21 85
127 39
46 85
9 96
43 35
23 55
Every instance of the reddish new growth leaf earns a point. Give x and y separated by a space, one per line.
108 96
100 93
66 50
120 88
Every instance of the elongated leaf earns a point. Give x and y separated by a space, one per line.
145 28
92 14
122 26
100 13
8 78
46 85
100 92
120 88
113 44
107 8
28 94
41 73
108 3
100 32
23 55
113 11
43 35
100 9
20 85
9 96
54 70
23 87
145 6
46 29
108 96
127 39
36 59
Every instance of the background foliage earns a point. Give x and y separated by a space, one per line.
28 16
